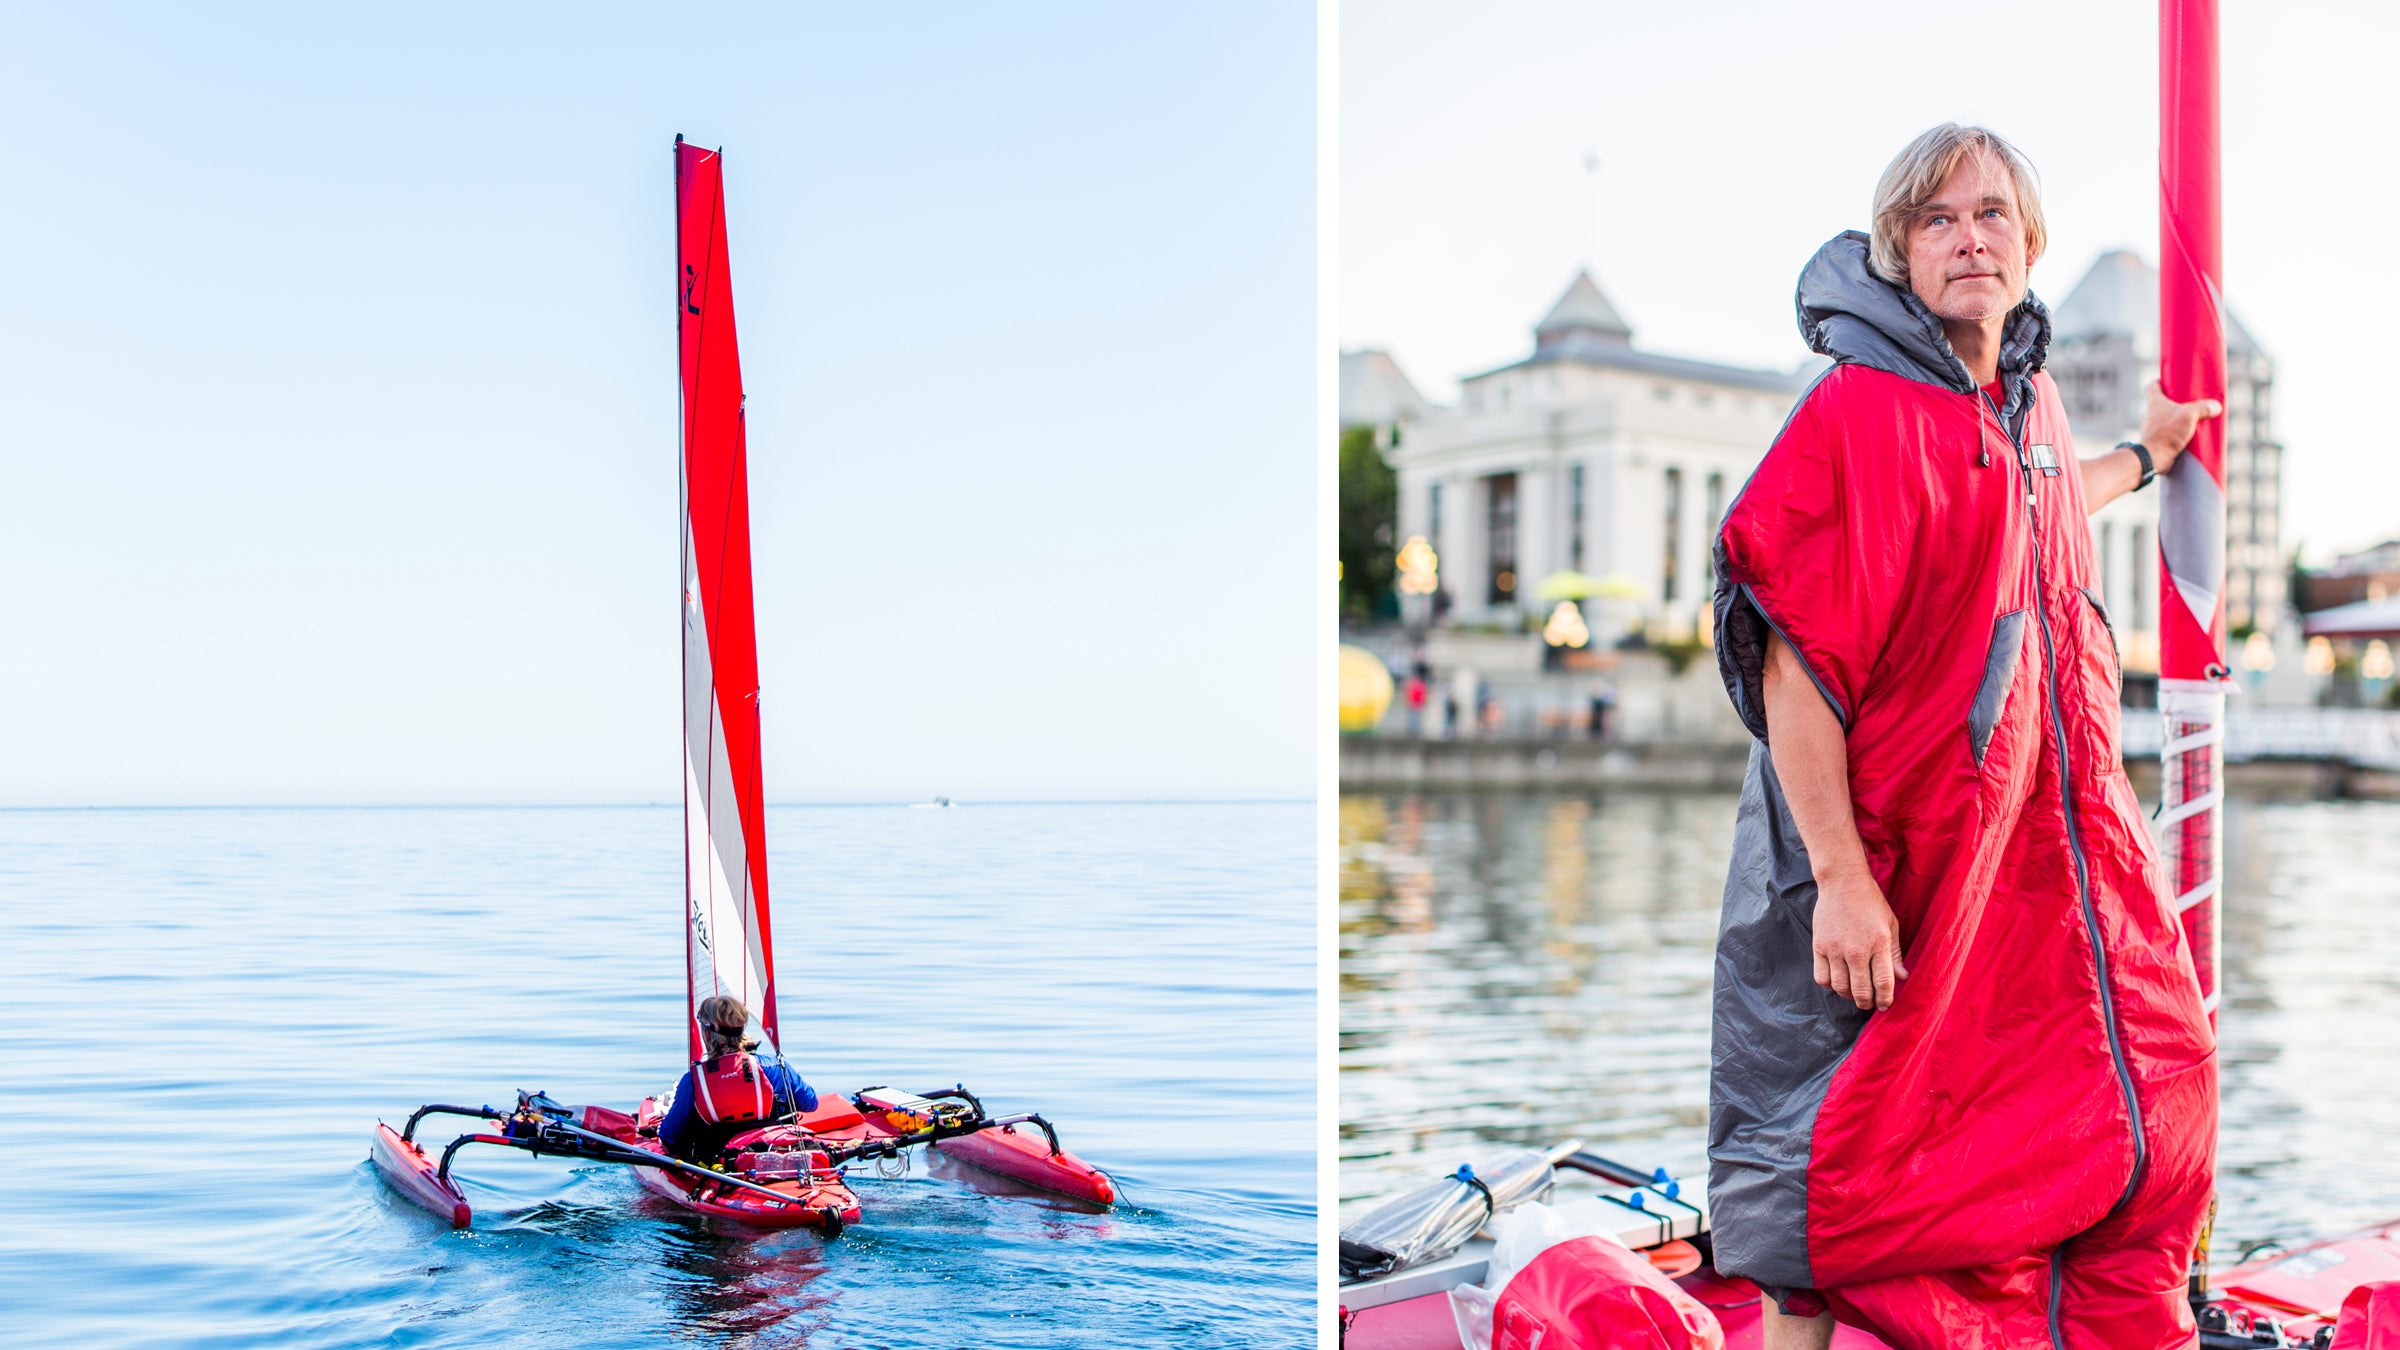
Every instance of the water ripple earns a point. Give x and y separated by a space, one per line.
282 979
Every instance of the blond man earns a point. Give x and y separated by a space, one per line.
1963 1092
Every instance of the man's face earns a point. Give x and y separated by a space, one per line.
1967 257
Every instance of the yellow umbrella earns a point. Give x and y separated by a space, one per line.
1366 688
1567 585
1573 585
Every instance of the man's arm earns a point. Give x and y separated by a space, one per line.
2167 427
1854 935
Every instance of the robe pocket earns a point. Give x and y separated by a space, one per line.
2093 703
2116 648
1999 672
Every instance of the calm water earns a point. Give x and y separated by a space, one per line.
203 1013
1526 968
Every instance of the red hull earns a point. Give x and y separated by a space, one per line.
411 1173
1027 1158
1426 1323
820 1202
2302 1290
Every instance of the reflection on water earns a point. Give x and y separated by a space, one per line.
1518 969
734 1290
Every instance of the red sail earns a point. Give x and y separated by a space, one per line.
726 931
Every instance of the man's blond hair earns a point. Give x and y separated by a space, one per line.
1919 171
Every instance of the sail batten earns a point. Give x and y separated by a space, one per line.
727 934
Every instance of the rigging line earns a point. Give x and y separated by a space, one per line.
683 539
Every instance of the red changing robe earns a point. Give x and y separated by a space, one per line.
2019 1152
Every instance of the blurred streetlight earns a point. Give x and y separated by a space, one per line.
1566 627
2319 660
1419 568
2375 670
2258 657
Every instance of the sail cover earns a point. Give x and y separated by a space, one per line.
726 933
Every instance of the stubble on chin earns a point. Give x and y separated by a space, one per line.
1975 305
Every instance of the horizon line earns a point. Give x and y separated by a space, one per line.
649 805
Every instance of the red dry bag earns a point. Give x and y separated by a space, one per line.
731 1089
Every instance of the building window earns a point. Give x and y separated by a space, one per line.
1500 535
2108 560
1674 523
1575 517
1716 517
1433 519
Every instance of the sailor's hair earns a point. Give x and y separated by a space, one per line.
1918 172
722 1020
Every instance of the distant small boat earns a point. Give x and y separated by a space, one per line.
938 801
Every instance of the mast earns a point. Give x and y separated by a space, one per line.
2191 512
728 941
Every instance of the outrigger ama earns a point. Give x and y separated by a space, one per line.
788 1170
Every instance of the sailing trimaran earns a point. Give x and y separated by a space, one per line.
788 1173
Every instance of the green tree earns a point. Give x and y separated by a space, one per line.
1370 518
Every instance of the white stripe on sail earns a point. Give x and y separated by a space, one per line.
723 942
718 935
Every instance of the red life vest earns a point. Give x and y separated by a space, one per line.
731 1089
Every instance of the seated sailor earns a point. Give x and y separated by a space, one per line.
730 1091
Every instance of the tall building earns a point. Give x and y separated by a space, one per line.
2103 353
1589 455
1376 393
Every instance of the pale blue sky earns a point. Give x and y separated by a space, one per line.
1735 137
337 398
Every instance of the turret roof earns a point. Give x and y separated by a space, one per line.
2118 297
1582 310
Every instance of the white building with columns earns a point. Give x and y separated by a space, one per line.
1590 456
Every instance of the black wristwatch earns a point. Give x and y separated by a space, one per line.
2142 453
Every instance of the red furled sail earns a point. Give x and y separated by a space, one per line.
726 932
2191 509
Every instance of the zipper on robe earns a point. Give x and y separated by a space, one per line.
2083 875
